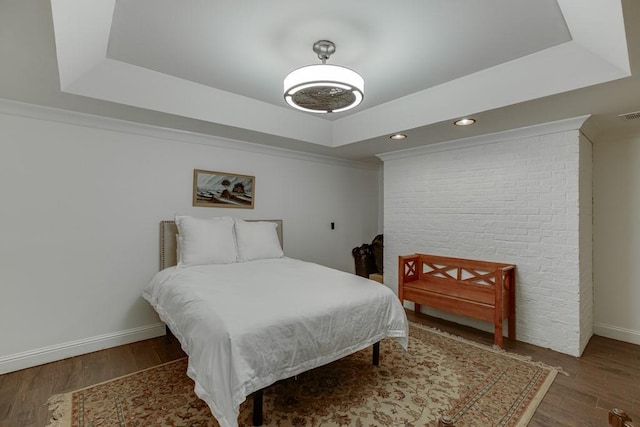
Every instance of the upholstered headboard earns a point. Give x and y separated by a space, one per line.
168 244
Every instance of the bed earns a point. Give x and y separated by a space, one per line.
255 317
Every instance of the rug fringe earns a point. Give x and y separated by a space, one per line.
60 408
533 405
493 347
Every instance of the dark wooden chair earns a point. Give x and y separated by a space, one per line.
368 257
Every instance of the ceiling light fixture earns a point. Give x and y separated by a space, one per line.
398 136
464 122
323 88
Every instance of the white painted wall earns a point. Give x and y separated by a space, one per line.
616 203
585 239
513 197
81 201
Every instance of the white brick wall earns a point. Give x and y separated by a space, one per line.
515 201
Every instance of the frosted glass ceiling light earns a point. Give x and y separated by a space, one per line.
323 88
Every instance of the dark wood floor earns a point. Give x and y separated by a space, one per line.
606 376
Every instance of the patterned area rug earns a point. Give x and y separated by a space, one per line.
441 375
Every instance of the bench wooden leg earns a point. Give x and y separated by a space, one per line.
497 335
416 308
498 339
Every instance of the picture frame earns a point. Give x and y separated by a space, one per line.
212 189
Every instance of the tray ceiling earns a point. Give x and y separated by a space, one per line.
425 63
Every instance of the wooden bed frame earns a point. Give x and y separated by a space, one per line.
168 258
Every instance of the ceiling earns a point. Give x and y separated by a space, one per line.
216 67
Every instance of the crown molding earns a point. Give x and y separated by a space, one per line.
51 114
574 123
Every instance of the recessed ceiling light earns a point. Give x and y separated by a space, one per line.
464 122
398 136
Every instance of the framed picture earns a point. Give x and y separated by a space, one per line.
223 190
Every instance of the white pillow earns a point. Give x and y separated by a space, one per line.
206 241
257 240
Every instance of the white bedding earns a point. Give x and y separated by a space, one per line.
247 325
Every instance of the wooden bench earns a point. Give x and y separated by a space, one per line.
478 289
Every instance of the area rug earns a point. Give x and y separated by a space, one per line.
440 375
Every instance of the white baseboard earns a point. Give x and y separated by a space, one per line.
617 333
39 356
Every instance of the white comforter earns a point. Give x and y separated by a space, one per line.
247 325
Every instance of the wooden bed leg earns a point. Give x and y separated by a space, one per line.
257 408
376 354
